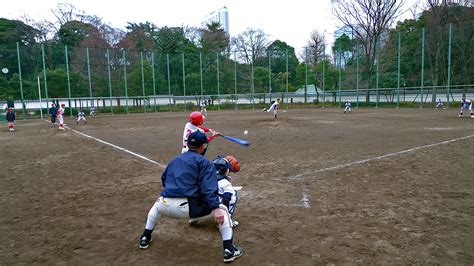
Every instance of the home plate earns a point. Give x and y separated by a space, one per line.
237 188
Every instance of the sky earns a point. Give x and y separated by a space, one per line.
288 21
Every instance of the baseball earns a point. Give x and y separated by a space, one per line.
246 132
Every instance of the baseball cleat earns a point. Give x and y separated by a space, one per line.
144 242
230 256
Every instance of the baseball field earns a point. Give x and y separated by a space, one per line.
377 186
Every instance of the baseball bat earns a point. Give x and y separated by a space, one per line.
236 140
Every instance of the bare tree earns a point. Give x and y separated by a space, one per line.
368 19
250 45
316 45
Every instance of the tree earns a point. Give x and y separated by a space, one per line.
250 45
316 46
342 50
214 38
368 19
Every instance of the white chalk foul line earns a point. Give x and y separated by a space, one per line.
117 147
388 155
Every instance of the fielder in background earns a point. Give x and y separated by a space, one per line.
81 116
466 104
60 114
92 112
203 108
440 104
53 111
195 121
190 191
11 119
274 107
347 107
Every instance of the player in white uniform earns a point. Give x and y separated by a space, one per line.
61 116
440 104
195 121
273 107
466 104
203 108
347 108
81 116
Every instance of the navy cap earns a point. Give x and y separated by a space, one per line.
196 139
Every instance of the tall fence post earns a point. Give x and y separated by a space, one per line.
21 80
124 58
66 55
89 76
377 52
235 80
287 74
110 82
218 84
184 82
449 63
269 75
323 78
143 82
398 69
44 76
169 80
153 78
422 65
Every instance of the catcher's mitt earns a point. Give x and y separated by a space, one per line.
234 164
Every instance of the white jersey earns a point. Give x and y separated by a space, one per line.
81 116
274 107
226 186
188 129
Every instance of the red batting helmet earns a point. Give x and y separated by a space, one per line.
196 118
10 108
63 105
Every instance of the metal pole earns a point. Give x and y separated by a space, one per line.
89 76
68 78
125 79
377 71
398 69
449 63
422 64
39 95
218 83
21 79
235 79
269 75
339 74
110 81
357 79
143 82
287 79
44 75
200 71
253 88
153 77
306 76
324 74
184 82
169 81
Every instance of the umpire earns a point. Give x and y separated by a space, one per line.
190 191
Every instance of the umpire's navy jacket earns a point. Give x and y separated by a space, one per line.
192 176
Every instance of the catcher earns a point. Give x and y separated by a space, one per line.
227 193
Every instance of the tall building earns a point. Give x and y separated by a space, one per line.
221 15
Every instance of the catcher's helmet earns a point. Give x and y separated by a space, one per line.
196 118
222 164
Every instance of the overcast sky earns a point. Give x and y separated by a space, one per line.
288 21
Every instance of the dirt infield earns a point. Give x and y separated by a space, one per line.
378 186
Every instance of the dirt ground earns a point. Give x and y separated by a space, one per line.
377 186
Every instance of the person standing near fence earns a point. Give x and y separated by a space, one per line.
347 108
190 191
81 116
53 111
466 104
11 119
60 114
